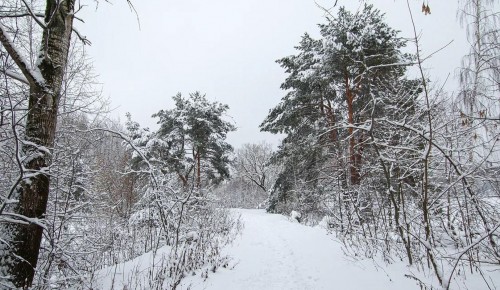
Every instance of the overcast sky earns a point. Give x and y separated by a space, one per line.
228 48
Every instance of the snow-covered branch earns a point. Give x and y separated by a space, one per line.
32 75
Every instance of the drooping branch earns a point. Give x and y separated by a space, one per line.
32 75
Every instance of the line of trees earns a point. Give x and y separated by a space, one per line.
79 192
399 168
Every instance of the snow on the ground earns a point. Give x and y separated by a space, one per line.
134 274
274 253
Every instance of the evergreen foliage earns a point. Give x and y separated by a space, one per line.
190 142
331 87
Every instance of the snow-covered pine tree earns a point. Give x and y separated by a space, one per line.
192 140
330 86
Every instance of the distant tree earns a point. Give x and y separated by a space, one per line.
480 72
253 164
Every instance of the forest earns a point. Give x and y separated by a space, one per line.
393 164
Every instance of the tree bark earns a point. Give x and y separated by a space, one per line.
353 158
19 257
198 169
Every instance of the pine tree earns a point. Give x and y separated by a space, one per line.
331 84
191 138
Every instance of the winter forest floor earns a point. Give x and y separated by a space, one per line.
275 253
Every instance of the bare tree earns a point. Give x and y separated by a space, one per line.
253 163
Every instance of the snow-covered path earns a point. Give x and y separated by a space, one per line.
274 253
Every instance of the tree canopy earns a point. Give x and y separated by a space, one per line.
191 140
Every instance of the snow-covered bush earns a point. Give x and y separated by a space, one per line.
295 216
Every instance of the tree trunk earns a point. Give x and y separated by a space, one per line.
19 258
198 169
183 179
330 116
353 159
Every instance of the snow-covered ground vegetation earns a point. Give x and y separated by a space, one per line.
196 252
275 253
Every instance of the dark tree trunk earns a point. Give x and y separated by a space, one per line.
198 169
20 256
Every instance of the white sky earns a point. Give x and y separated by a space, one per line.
227 49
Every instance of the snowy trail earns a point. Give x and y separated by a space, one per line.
274 253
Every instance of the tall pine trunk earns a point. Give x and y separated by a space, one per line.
354 157
198 168
18 258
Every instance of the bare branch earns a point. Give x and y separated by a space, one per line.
34 16
16 77
83 38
